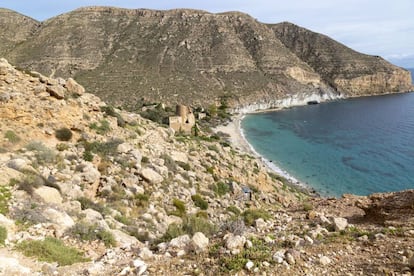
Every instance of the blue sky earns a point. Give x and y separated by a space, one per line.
376 27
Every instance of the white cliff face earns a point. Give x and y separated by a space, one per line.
292 100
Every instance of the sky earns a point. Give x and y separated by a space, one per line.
375 27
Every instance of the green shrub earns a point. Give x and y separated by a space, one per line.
221 188
199 202
141 200
91 232
86 203
30 182
102 128
307 206
194 224
43 154
62 146
110 111
213 148
3 235
174 230
234 210
87 155
12 137
5 195
190 226
51 250
63 134
144 160
251 215
104 149
183 165
258 253
179 206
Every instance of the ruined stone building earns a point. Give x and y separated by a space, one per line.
184 119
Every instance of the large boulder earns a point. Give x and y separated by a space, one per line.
199 242
48 194
74 88
56 91
151 176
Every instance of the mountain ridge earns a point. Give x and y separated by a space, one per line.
194 57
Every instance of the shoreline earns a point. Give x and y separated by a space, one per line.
237 138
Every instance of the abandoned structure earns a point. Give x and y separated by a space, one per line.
184 119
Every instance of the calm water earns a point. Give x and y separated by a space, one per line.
358 146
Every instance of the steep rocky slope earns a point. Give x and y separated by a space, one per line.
134 199
15 29
348 71
197 58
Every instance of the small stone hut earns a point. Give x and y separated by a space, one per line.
184 119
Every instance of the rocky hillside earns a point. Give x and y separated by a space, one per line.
193 57
86 189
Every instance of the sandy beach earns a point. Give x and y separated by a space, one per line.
236 137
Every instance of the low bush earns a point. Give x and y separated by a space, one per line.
233 209
101 128
221 188
63 134
5 195
51 250
12 137
3 235
91 232
179 207
43 154
251 215
86 203
199 202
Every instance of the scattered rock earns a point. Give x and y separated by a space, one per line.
74 88
234 241
199 242
11 266
151 176
56 91
323 260
48 194
340 224
249 265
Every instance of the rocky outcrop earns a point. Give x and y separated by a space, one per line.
196 58
390 209
349 72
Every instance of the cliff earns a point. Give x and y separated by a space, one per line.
195 57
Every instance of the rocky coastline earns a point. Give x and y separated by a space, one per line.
125 196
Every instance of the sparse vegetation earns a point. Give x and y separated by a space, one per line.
51 250
12 137
251 215
86 203
233 209
5 195
221 188
199 202
101 128
43 154
258 253
180 207
3 235
90 232
63 134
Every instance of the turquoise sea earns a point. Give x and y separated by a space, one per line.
358 146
